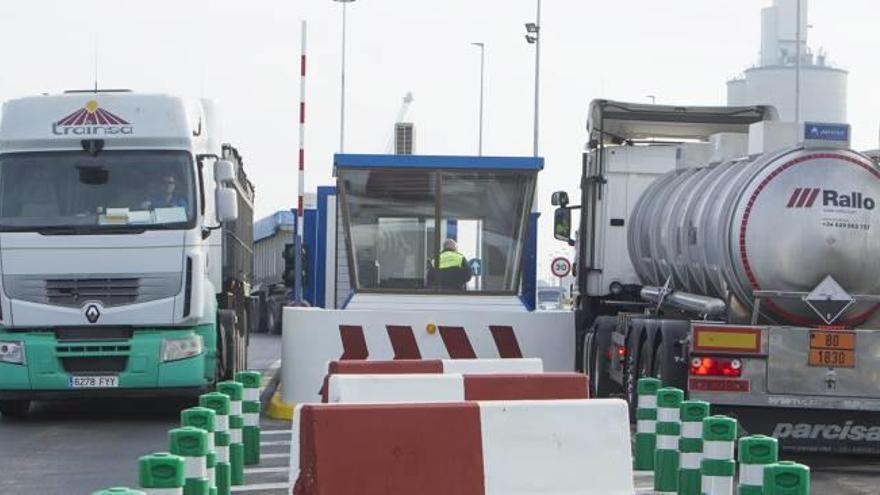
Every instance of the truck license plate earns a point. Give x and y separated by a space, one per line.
832 349
103 381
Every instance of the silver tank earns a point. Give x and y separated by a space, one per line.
781 221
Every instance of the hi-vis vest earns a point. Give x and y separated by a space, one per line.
450 259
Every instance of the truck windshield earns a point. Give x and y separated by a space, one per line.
72 192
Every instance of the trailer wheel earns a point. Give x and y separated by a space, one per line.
271 317
15 409
638 366
666 368
244 341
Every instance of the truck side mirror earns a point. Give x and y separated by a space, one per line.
224 172
562 224
559 198
227 204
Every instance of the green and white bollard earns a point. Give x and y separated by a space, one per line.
718 467
211 463
235 392
786 478
250 405
119 491
690 446
666 458
220 404
646 424
754 453
204 418
192 444
162 474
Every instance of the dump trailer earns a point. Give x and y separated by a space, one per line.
736 257
125 248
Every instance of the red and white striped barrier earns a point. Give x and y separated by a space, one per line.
497 448
412 366
430 366
456 387
314 337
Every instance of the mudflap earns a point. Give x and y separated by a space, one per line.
810 430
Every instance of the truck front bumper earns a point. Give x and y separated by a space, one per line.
136 362
105 393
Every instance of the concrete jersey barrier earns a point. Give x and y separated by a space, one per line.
314 337
465 448
430 366
456 387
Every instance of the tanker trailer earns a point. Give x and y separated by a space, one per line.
735 257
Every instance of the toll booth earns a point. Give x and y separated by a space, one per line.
393 215
396 211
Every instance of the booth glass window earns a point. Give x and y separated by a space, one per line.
391 219
486 213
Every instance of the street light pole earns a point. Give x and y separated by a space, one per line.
533 36
482 47
797 69
537 77
342 78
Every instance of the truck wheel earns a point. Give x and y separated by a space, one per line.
665 367
596 341
229 344
16 409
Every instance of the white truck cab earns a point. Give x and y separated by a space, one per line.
123 235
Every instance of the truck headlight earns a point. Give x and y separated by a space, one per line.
12 352
177 349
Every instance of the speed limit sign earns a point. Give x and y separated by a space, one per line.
560 267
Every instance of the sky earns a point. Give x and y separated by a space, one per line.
246 55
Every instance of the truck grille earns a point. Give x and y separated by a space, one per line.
75 291
109 290
79 334
102 348
94 364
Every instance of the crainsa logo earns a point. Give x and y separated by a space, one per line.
91 120
805 197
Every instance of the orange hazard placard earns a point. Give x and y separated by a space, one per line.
832 349
845 341
832 359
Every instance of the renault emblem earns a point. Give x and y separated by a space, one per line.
92 313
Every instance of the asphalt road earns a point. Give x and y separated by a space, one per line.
77 447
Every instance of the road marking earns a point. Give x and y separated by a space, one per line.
261 487
280 469
277 432
278 442
274 456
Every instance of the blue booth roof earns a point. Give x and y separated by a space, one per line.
438 162
268 226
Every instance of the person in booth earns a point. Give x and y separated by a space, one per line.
451 271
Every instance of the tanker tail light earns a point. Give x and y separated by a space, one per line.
712 366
